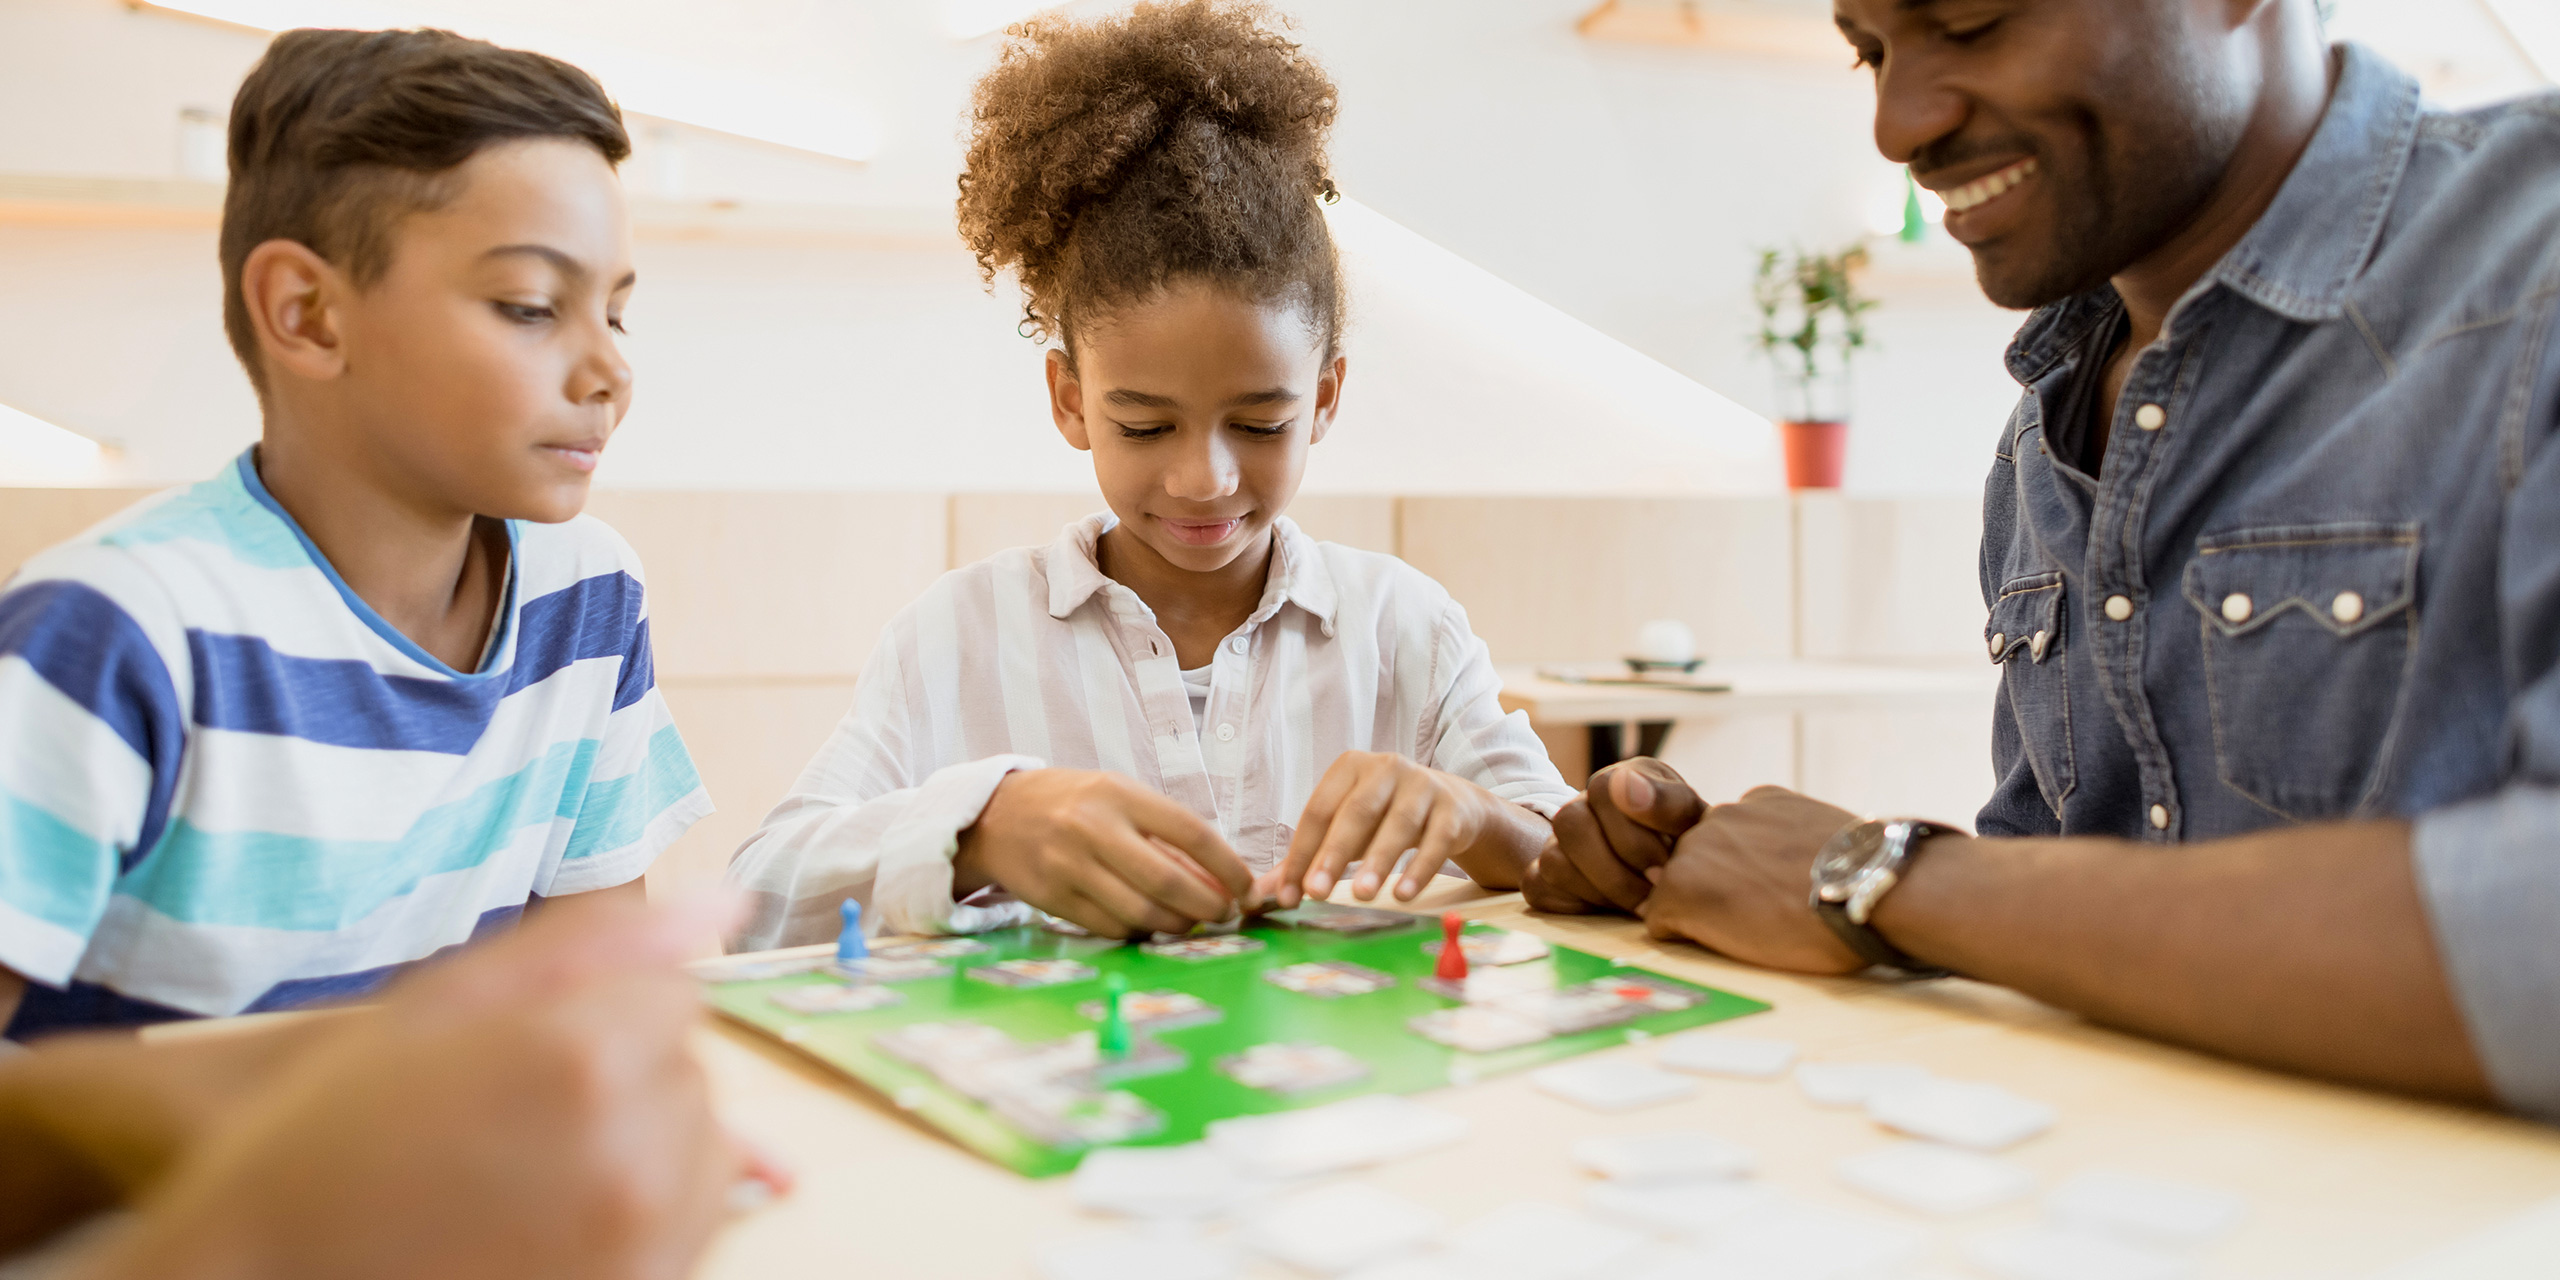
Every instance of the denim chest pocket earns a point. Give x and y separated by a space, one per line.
2025 637
2308 632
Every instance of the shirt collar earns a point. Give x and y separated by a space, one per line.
2304 252
1297 577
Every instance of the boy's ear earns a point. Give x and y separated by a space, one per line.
1328 398
292 295
1066 401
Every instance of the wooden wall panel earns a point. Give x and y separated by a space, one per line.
792 585
33 519
1889 579
1571 579
750 739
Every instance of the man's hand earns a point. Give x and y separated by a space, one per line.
1369 808
528 1109
1102 851
1740 881
1610 836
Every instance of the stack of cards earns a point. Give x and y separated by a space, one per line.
1157 1010
1495 947
1338 1135
1935 1179
1033 973
1664 1155
1476 1028
1332 1229
835 997
1981 1116
1612 1084
1290 1069
1713 1053
1328 979
1213 948
1850 1084
1337 918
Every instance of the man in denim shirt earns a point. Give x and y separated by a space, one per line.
2272 553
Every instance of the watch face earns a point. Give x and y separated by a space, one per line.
1848 854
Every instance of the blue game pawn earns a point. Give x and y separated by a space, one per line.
849 944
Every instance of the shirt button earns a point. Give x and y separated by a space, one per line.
2150 417
1998 643
2035 647
2159 817
1236 646
2347 607
2119 608
2237 607
1226 733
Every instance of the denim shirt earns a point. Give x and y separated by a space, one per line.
2318 575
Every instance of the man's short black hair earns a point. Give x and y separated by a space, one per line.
337 135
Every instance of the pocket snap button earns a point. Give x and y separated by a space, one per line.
2347 607
2237 607
2035 646
1999 643
2159 817
2119 608
2150 417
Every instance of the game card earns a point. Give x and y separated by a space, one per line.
1602 1002
1064 1116
1495 947
1033 973
1476 1028
932 1044
832 998
746 969
1209 948
1337 918
879 968
1328 979
1288 1069
1063 928
929 949
1158 1010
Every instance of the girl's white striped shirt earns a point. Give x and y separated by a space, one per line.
1032 658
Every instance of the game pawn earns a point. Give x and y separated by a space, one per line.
849 944
1449 975
1113 1038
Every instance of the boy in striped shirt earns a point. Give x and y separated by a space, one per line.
376 686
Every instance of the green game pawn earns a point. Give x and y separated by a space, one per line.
1113 1039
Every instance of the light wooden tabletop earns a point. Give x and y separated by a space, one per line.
1774 685
2339 1182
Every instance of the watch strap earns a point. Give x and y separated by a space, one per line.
1902 842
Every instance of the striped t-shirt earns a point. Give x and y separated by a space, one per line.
1033 659
227 785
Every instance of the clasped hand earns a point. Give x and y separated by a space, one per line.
1734 878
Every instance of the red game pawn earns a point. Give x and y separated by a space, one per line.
1453 957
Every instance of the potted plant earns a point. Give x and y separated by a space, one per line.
1812 320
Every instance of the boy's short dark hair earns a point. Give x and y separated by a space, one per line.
337 135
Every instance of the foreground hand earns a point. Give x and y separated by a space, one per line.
529 1109
1740 882
1610 836
1369 808
1102 851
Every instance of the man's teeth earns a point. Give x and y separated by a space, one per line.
1984 190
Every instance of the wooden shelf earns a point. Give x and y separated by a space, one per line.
1752 27
58 200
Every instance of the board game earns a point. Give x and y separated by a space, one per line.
1033 1045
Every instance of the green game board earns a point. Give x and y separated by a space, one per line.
1371 1027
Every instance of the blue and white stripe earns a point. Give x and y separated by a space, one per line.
227 784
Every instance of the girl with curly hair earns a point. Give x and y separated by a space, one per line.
1184 706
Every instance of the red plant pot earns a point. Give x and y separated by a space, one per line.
1816 451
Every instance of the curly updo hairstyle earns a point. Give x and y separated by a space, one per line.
1182 141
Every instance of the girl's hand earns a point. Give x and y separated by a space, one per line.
1370 807
1102 851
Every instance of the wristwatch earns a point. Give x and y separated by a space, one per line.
1853 873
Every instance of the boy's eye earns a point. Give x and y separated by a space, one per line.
524 314
1970 34
1263 429
1133 431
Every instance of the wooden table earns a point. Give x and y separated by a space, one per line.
2340 1182
1765 687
